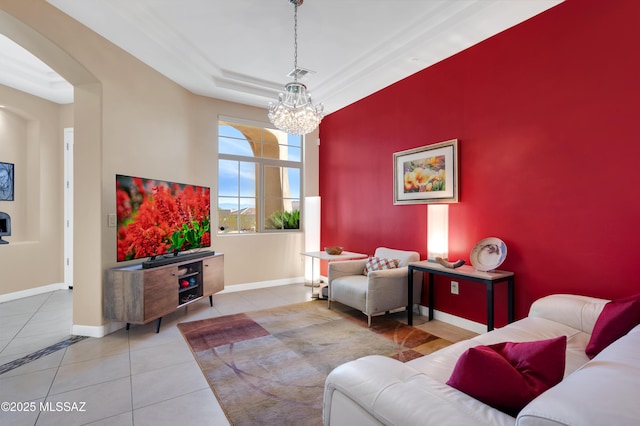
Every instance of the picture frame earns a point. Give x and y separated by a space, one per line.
428 174
6 181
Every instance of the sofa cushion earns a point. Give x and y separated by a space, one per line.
379 263
617 318
603 392
507 376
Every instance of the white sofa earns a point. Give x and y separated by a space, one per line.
378 390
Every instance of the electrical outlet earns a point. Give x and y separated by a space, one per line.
454 287
111 220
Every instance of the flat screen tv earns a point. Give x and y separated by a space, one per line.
159 218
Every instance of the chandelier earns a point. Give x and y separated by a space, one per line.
294 112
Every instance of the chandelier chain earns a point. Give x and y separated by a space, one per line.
295 40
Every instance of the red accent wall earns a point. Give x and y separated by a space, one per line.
547 115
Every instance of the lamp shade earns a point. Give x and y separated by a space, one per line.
437 231
311 234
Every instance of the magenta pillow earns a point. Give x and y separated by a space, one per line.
617 318
507 376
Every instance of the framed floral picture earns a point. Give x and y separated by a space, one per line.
428 174
6 182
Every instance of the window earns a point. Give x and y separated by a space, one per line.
259 179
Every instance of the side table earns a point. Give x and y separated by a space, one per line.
464 272
323 255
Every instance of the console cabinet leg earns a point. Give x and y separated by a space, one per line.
211 300
158 325
128 326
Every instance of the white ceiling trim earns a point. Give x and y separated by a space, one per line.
242 51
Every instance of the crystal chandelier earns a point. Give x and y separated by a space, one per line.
294 113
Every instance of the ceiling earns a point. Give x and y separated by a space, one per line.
242 51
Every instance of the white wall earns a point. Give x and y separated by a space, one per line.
129 119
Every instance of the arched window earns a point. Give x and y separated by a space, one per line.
259 178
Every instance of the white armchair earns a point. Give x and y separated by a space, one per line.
379 291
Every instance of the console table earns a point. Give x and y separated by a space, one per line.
467 273
137 295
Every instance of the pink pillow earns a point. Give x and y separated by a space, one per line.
380 263
617 318
507 376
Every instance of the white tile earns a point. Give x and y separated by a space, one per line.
100 401
12 324
58 300
124 419
92 348
25 305
30 344
166 383
26 417
155 357
58 326
92 372
198 408
46 362
9 357
26 387
144 336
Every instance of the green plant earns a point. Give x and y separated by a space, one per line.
285 220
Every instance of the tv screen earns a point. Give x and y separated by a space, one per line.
4 229
157 217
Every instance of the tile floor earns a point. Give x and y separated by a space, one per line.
134 377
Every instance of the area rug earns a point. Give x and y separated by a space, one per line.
269 367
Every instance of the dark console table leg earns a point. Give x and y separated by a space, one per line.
211 300
431 295
510 298
128 326
410 295
158 325
490 306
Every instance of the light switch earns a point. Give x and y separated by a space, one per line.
111 220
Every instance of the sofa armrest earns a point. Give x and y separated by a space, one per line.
579 312
345 268
380 389
612 375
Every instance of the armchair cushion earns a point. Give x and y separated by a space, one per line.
380 264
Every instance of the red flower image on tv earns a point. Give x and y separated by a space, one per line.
157 217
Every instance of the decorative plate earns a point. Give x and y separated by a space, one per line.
488 254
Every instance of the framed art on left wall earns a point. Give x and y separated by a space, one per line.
428 174
6 182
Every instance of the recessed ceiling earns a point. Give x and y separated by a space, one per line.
23 71
242 51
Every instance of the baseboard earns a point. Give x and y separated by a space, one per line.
32 292
261 284
96 330
473 326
